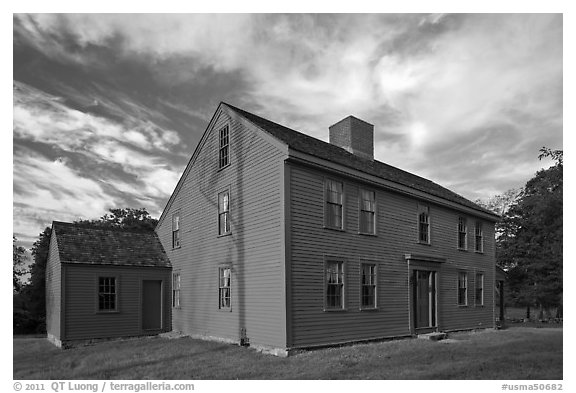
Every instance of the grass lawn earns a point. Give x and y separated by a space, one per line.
515 353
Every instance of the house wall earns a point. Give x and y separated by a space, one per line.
82 321
53 291
254 250
310 243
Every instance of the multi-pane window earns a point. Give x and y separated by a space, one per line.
107 294
334 206
462 288
175 230
176 290
224 213
224 150
367 212
479 300
368 285
478 237
462 233
334 285
423 224
224 288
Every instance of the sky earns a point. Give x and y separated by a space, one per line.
108 108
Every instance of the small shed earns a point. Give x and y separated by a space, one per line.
104 283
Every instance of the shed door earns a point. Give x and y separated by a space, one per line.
152 304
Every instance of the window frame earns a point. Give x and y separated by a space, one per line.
462 222
374 285
361 211
221 287
478 237
225 213
459 288
342 273
424 209
328 203
116 308
481 288
176 240
176 290
224 147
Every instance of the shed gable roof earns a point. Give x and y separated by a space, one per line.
327 151
81 244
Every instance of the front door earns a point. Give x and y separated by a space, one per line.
424 298
151 305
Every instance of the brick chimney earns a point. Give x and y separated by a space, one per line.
354 135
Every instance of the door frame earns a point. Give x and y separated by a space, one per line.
424 263
432 301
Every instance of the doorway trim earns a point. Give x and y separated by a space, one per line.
416 262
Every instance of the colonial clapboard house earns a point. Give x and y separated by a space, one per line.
281 241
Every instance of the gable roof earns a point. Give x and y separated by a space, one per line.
327 151
82 244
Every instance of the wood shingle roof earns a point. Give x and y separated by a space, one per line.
327 151
82 244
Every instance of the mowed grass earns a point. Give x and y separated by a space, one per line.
515 353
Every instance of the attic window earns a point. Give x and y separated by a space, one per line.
423 224
175 230
224 150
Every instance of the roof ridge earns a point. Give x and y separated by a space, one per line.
100 228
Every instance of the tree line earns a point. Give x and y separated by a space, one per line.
529 239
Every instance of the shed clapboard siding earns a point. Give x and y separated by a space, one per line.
82 319
255 248
396 236
53 291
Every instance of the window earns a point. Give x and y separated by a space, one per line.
423 224
175 230
224 281
462 233
224 213
479 300
224 150
334 285
176 290
462 289
479 238
107 291
334 204
367 212
368 285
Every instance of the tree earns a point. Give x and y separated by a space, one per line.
126 218
530 242
18 259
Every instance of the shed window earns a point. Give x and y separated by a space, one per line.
368 285
224 150
175 230
479 300
462 289
176 290
423 224
479 237
462 233
334 285
334 206
224 213
107 294
367 212
224 288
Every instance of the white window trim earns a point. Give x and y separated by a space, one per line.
458 289
479 224
481 274
229 232
220 307
221 147
465 248
116 309
342 205
177 230
424 209
176 290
